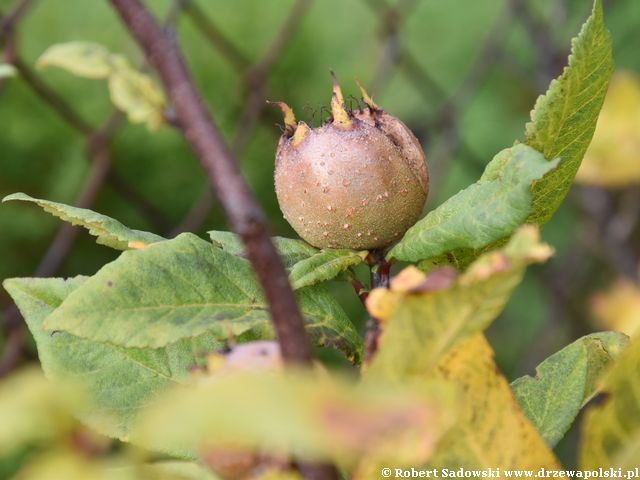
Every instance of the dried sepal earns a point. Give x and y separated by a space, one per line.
289 117
341 117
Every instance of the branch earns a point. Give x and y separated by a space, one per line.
255 77
7 22
215 36
244 214
282 37
50 97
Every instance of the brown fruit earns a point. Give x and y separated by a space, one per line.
359 181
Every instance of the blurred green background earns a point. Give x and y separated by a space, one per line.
462 74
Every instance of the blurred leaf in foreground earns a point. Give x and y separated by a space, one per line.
618 308
34 410
611 430
566 381
424 316
309 416
120 381
492 431
613 158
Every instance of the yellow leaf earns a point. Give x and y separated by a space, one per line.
381 303
611 431
303 414
33 410
136 94
613 158
66 464
84 59
492 432
131 91
618 308
407 279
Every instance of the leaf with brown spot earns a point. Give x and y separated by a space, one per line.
308 416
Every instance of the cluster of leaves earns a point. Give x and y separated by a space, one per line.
134 333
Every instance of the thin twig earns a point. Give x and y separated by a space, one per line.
282 38
215 36
49 96
380 270
8 21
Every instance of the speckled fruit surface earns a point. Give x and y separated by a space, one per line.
359 181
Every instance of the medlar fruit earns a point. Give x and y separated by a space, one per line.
358 181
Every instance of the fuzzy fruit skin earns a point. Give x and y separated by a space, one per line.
360 186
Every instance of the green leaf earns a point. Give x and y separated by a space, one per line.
564 119
121 381
516 190
291 251
110 232
182 288
422 321
324 265
7 70
488 211
611 430
84 59
133 92
565 382
307 415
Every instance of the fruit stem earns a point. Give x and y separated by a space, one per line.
380 276
362 292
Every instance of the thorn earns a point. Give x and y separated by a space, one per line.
289 117
340 114
365 96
